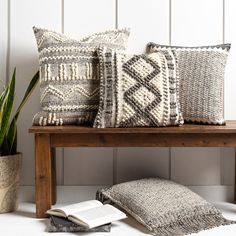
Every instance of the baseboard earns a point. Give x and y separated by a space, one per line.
70 194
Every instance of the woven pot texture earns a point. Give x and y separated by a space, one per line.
10 167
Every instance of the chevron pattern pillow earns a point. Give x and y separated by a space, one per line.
138 90
69 81
201 71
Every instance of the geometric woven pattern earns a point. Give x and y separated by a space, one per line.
137 90
164 207
69 81
143 96
201 71
50 90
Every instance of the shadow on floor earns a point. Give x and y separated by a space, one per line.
27 214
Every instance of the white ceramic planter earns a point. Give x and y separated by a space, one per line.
10 167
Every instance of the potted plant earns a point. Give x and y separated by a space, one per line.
10 158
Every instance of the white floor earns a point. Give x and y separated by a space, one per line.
23 221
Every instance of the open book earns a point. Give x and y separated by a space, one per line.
89 214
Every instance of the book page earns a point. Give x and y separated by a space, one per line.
77 207
97 216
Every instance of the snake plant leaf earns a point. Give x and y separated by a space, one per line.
13 147
3 92
12 132
5 148
11 137
7 108
3 101
28 92
2 84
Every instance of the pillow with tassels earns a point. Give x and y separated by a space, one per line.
69 80
164 207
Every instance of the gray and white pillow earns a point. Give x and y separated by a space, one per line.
137 90
201 71
69 81
164 207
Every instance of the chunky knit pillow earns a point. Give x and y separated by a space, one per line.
69 81
201 71
164 207
138 90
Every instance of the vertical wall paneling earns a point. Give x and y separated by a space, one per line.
60 151
135 163
228 154
227 165
170 32
148 21
3 38
115 150
88 165
230 82
24 56
196 22
60 166
82 18
182 22
196 166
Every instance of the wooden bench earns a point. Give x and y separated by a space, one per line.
49 137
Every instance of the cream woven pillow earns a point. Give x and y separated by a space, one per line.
69 81
164 207
201 72
138 90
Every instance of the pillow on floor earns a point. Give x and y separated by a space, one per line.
138 90
201 71
164 207
69 81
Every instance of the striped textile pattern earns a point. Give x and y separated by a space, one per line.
69 81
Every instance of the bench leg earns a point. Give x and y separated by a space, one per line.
43 174
54 178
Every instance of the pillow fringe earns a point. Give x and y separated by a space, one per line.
183 226
192 224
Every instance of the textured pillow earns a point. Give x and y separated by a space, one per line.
164 207
201 71
137 90
69 82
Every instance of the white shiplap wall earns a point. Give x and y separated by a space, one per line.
94 165
229 35
183 22
23 55
196 22
3 39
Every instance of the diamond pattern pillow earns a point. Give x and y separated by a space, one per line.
201 71
69 81
138 90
